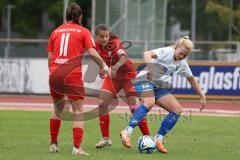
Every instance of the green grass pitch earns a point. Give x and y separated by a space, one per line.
25 135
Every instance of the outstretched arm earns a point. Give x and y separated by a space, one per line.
96 58
120 63
148 56
197 88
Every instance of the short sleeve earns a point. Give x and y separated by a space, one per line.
118 47
121 52
165 54
184 69
88 40
158 52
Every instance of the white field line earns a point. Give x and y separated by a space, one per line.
32 106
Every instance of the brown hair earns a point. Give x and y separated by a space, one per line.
73 13
103 27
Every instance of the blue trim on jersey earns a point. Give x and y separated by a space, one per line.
147 85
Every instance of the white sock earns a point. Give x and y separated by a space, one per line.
159 137
129 130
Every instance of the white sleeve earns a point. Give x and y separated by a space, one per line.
184 69
162 54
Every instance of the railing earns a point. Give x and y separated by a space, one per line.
203 50
19 48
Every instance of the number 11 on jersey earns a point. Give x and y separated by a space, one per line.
64 44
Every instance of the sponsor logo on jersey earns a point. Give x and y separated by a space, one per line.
61 60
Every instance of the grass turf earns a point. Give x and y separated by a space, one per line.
25 135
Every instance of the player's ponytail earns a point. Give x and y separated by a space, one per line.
184 41
73 13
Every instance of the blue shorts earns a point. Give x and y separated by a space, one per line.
147 86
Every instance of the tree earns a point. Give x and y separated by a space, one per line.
223 12
2 10
209 23
55 11
27 14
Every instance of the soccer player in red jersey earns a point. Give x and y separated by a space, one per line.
65 49
109 47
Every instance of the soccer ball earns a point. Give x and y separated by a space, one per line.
146 144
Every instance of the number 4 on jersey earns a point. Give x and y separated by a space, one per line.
64 44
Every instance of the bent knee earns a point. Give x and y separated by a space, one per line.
149 103
179 111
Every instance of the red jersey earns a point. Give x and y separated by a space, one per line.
67 42
111 55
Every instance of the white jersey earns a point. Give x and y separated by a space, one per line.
164 66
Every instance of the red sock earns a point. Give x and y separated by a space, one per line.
54 129
77 136
104 122
143 125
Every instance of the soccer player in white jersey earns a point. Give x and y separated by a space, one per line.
150 83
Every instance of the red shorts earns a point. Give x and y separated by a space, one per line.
71 86
114 86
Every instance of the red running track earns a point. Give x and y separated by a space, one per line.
36 102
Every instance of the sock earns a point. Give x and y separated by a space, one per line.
129 130
167 124
77 137
137 116
54 129
104 122
143 125
159 137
